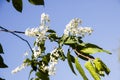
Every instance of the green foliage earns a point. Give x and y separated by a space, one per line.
89 66
42 75
69 59
80 69
43 62
1 49
18 5
101 67
2 64
97 68
89 48
37 2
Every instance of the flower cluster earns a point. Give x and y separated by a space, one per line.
39 32
37 52
53 61
73 29
19 68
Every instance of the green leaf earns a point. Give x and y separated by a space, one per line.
70 40
89 66
30 73
82 55
62 40
89 48
34 65
80 69
70 62
53 37
1 49
18 5
42 75
98 66
2 64
61 53
51 31
106 69
37 2
46 58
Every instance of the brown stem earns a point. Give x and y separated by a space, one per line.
84 56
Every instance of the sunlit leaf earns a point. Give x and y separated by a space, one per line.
98 66
91 49
37 2
89 66
80 69
1 49
62 40
106 69
18 5
2 64
70 40
69 59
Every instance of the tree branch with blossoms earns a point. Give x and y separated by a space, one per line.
44 63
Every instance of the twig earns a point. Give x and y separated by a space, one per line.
84 56
14 33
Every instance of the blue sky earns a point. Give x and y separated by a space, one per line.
102 15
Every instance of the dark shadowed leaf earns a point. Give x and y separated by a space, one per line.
1 49
42 76
80 69
69 59
2 64
18 5
46 58
2 79
51 31
30 73
8 0
37 2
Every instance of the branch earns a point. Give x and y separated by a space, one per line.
88 57
5 30
14 33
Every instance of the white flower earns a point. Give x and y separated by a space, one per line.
37 52
73 29
53 61
26 53
44 18
19 68
52 68
32 32
84 30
